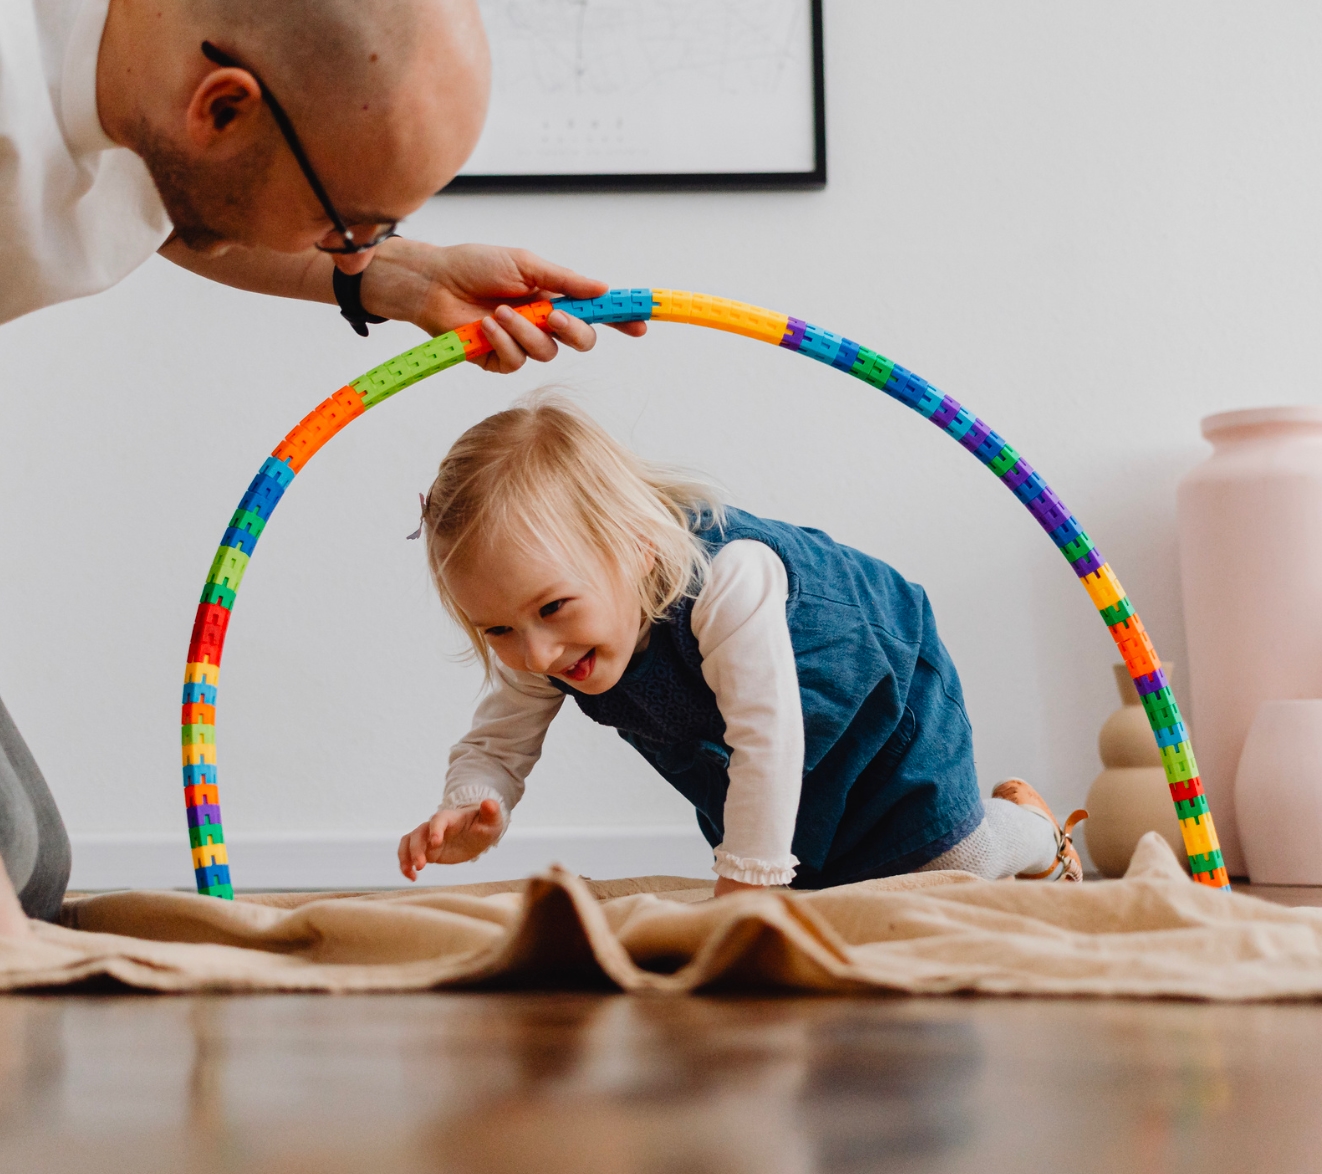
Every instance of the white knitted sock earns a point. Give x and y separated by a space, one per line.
1011 839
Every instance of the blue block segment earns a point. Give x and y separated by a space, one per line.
203 772
822 345
278 470
264 494
847 355
240 539
1067 533
617 305
905 386
1172 735
990 448
198 692
216 874
1029 488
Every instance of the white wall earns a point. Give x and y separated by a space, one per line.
1093 224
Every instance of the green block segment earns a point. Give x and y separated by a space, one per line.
1161 708
436 354
1004 462
198 735
228 567
1179 762
1077 549
1191 808
226 892
1117 613
208 833
1207 861
247 520
217 593
872 368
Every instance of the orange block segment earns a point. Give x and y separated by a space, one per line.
202 795
198 714
318 426
1131 638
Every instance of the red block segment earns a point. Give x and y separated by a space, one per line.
198 714
202 795
318 426
1131 638
1187 789
208 633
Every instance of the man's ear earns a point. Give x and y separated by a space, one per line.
225 105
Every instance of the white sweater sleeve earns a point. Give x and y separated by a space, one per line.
493 759
747 659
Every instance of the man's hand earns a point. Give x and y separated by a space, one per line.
441 288
451 837
725 885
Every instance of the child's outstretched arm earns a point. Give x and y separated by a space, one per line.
451 836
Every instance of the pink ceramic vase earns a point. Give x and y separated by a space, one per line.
1250 522
1278 794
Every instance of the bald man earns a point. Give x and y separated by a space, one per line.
272 145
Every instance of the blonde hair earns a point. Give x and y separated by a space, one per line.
546 475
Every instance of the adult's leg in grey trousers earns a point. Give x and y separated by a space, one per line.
33 842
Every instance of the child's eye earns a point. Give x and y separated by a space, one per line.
499 630
551 608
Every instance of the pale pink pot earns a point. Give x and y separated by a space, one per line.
1278 794
1250 520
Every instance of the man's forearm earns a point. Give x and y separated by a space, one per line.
306 276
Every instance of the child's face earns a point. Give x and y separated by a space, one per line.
539 616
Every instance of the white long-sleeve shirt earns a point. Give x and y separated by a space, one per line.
748 662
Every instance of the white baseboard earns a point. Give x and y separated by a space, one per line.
368 860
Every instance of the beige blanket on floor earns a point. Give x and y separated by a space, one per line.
1153 933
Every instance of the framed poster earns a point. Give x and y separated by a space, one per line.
651 94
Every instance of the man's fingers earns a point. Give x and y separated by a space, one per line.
532 340
571 331
557 279
632 329
506 354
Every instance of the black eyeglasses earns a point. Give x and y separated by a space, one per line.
346 240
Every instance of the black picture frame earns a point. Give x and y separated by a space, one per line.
681 181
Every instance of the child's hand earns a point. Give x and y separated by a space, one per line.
451 837
725 885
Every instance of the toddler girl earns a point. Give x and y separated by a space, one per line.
794 690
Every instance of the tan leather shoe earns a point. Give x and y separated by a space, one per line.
1018 791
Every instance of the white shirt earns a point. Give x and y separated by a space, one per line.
747 660
77 213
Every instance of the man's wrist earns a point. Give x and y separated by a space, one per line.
394 285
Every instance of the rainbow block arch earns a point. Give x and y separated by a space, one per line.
202 672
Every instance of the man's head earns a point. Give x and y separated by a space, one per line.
386 96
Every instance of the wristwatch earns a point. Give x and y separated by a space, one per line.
349 293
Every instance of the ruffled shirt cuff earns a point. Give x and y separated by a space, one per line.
470 794
750 871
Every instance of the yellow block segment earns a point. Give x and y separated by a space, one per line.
209 854
677 305
1103 587
200 672
1199 835
200 753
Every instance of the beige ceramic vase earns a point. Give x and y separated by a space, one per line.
1130 796
1251 572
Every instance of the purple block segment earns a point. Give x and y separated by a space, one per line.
203 814
1018 473
1050 512
1088 563
1152 683
947 411
794 334
973 438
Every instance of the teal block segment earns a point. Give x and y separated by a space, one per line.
820 344
872 368
1171 735
960 425
218 593
930 401
1117 613
1004 461
278 470
1191 808
436 354
616 305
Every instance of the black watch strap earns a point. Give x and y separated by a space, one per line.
349 293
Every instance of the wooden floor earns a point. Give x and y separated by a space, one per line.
581 1084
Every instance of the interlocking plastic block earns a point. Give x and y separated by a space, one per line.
1103 587
247 520
1171 735
1003 461
846 355
217 874
318 426
1076 548
225 892
929 402
197 693
198 713
1049 510
991 448
210 855
677 305
1216 879
208 639
1116 612
619 305
906 387
1069 531
242 540
218 593
197 735
202 795
1017 474
1087 564
206 833
1191 808
227 570
1179 762
263 494
277 470
872 368
1161 708
946 411
820 344
959 427
200 772
1135 646
1186 789
202 814
1199 835
196 753
1030 488
973 438
201 673
436 354
1152 683
793 336
1206 862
